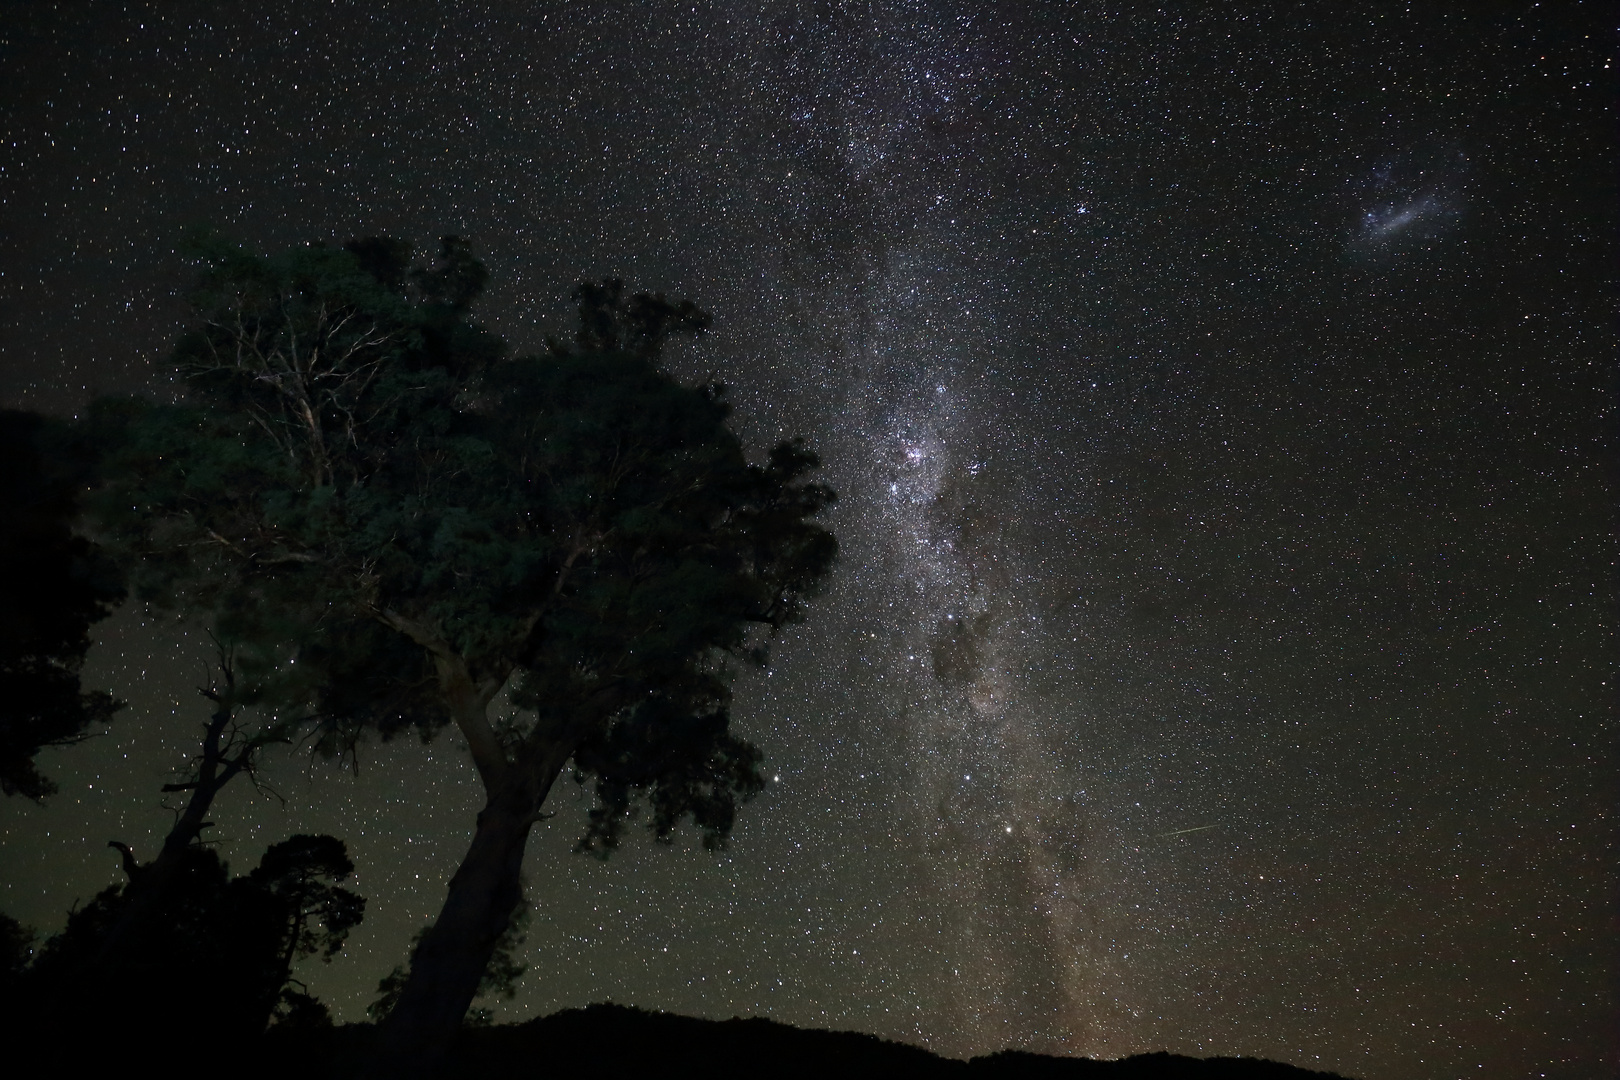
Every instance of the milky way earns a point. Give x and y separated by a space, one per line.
1220 656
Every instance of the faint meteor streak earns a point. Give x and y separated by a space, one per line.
1181 832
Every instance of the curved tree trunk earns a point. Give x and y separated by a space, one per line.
454 954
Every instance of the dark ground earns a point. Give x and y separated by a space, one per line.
615 1040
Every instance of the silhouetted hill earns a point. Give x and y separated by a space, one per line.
614 1040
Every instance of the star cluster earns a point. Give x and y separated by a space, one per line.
1220 658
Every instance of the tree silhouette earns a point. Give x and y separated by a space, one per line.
56 585
501 973
296 881
221 950
397 526
227 750
16 954
213 969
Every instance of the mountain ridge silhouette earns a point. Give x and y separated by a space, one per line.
620 1040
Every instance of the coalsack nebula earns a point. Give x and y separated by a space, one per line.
993 809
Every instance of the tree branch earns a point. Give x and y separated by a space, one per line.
467 698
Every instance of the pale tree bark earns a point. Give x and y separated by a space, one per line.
486 890
451 959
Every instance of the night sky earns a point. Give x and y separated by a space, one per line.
1221 656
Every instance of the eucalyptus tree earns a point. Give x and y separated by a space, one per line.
170 482
401 528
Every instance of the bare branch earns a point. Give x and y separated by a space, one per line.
221 540
286 557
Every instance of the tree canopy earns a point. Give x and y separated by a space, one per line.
56 585
396 526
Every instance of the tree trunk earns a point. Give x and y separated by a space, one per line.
454 954
449 963
149 886
284 967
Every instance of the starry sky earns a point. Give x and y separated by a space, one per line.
1221 656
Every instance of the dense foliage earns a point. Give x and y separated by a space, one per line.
212 970
55 586
393 526
362 489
